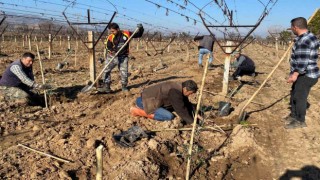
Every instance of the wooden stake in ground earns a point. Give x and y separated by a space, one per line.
226 69
137 45
277 48
69 44
48 155
92 61
242 112
22 40
42 75
60 42
99 162
75 57
195 119
29 42
50 47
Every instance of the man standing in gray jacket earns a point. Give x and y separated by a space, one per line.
206 43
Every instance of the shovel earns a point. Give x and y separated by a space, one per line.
90 85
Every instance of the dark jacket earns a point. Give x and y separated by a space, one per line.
11 80
114 43
245 62
167 95
205 41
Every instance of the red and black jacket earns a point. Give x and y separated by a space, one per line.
115 42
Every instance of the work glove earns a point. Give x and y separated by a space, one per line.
42 86
139 26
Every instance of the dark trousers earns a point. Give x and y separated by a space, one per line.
35 99
299 94
244 70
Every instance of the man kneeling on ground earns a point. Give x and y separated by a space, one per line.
18 80
157 102
243 65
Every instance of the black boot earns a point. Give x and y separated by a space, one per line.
105 88
124 88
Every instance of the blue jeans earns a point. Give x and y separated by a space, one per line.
203 51
161 114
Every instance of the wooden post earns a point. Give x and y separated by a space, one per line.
22 40
69 45
147 44
277 48
92 61
137 45
60 41
99 162
50 47
226 69
188 53
169 45
75 57
29 41
104 52
77 43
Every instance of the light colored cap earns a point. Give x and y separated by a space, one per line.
235 52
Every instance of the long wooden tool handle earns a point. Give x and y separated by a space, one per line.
195 119
265 81
273 70
97 78
49 155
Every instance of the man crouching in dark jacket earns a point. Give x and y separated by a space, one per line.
243 65
157 102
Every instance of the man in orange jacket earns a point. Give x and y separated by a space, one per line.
114 42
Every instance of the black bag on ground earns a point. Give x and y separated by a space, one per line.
129 137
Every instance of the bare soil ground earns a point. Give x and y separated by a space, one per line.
75 123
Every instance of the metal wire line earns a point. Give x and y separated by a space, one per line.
122 15
58 18
29 7
52 17
62 20
161 6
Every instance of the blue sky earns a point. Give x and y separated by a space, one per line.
131 12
